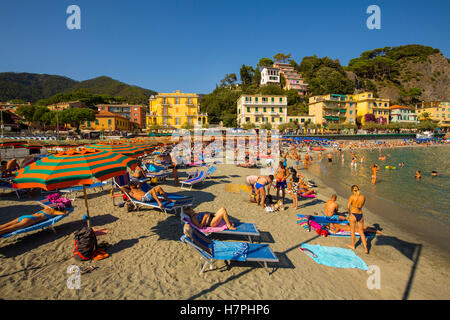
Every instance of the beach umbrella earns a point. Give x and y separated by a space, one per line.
125 149
71 168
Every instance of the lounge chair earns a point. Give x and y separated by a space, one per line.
181 201
191 182
242 229
75 189
44 224
7 185
213 250
210 171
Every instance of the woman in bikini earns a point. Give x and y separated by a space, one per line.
29 220
203 220
260 188
354 206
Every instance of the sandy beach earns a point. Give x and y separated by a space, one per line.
148 261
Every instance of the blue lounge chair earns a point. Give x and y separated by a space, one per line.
210 171
191 182
242 229
44 224
6 185
180 200
213 250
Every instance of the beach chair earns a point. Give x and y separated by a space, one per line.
7 185
180 200
191 182
213 250
210 171
49 223
75 189
242 229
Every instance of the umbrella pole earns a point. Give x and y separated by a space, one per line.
87 207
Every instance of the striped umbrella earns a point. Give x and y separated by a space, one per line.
125 149
73 167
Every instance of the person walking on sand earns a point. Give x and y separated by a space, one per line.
330 157
356 220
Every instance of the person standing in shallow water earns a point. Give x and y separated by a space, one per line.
356 220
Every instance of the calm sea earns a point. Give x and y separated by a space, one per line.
396 192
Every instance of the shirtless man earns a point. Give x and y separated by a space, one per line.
282 174
356 220
251 180
260 188
331 209
134 191
374 169
330 157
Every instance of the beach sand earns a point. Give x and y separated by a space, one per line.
148 261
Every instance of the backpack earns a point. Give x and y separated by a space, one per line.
85 244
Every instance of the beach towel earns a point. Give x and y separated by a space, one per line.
230 250
335 257
220 227
233 188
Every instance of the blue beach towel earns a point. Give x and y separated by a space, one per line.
230 250
335 257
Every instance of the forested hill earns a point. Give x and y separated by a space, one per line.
33 87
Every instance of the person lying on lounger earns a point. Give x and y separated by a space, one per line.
304 189
334 227
134 190
29 220
203 220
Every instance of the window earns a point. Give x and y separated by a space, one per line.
302 120
164 100
256 109
88 123
176 100
281 109
265 109
96 122
109 121
273 99
247 119
135 114
281 119
273 109
189 100
256 119
290 120
273 119
248 109
374 104
351 111
177 121
256 99
281 99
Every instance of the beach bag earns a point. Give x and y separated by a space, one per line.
85 244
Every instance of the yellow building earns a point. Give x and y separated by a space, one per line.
260 109
332 108
66 105
367 103
108 121
437 111
173 110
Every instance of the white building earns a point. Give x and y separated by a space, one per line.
402 114
270 75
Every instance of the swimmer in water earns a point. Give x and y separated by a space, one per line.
434 173
374 169
418 175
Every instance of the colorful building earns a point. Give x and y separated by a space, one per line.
261 109
134 113
332 108
174 110
402 114
66 105
109 121
270 75
437 111
293 79
366 103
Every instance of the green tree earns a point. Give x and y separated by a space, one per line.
228 80
229 120
247 74
282 58
248 126
264 62
75 116
266 125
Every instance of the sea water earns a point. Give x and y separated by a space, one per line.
422 205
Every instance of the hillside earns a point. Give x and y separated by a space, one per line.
404 74
33 87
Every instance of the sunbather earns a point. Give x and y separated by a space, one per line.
29 220
138 172
334 227
202 220
134 190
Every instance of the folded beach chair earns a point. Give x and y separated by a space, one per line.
7 185
75 189
213 250
191 182
180 200
42 225
242 229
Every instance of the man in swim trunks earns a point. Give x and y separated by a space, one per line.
331 209
282 174
260 188
356 220
330 158
29 220
133 189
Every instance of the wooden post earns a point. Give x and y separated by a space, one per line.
87 207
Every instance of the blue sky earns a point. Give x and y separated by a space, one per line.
189 45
